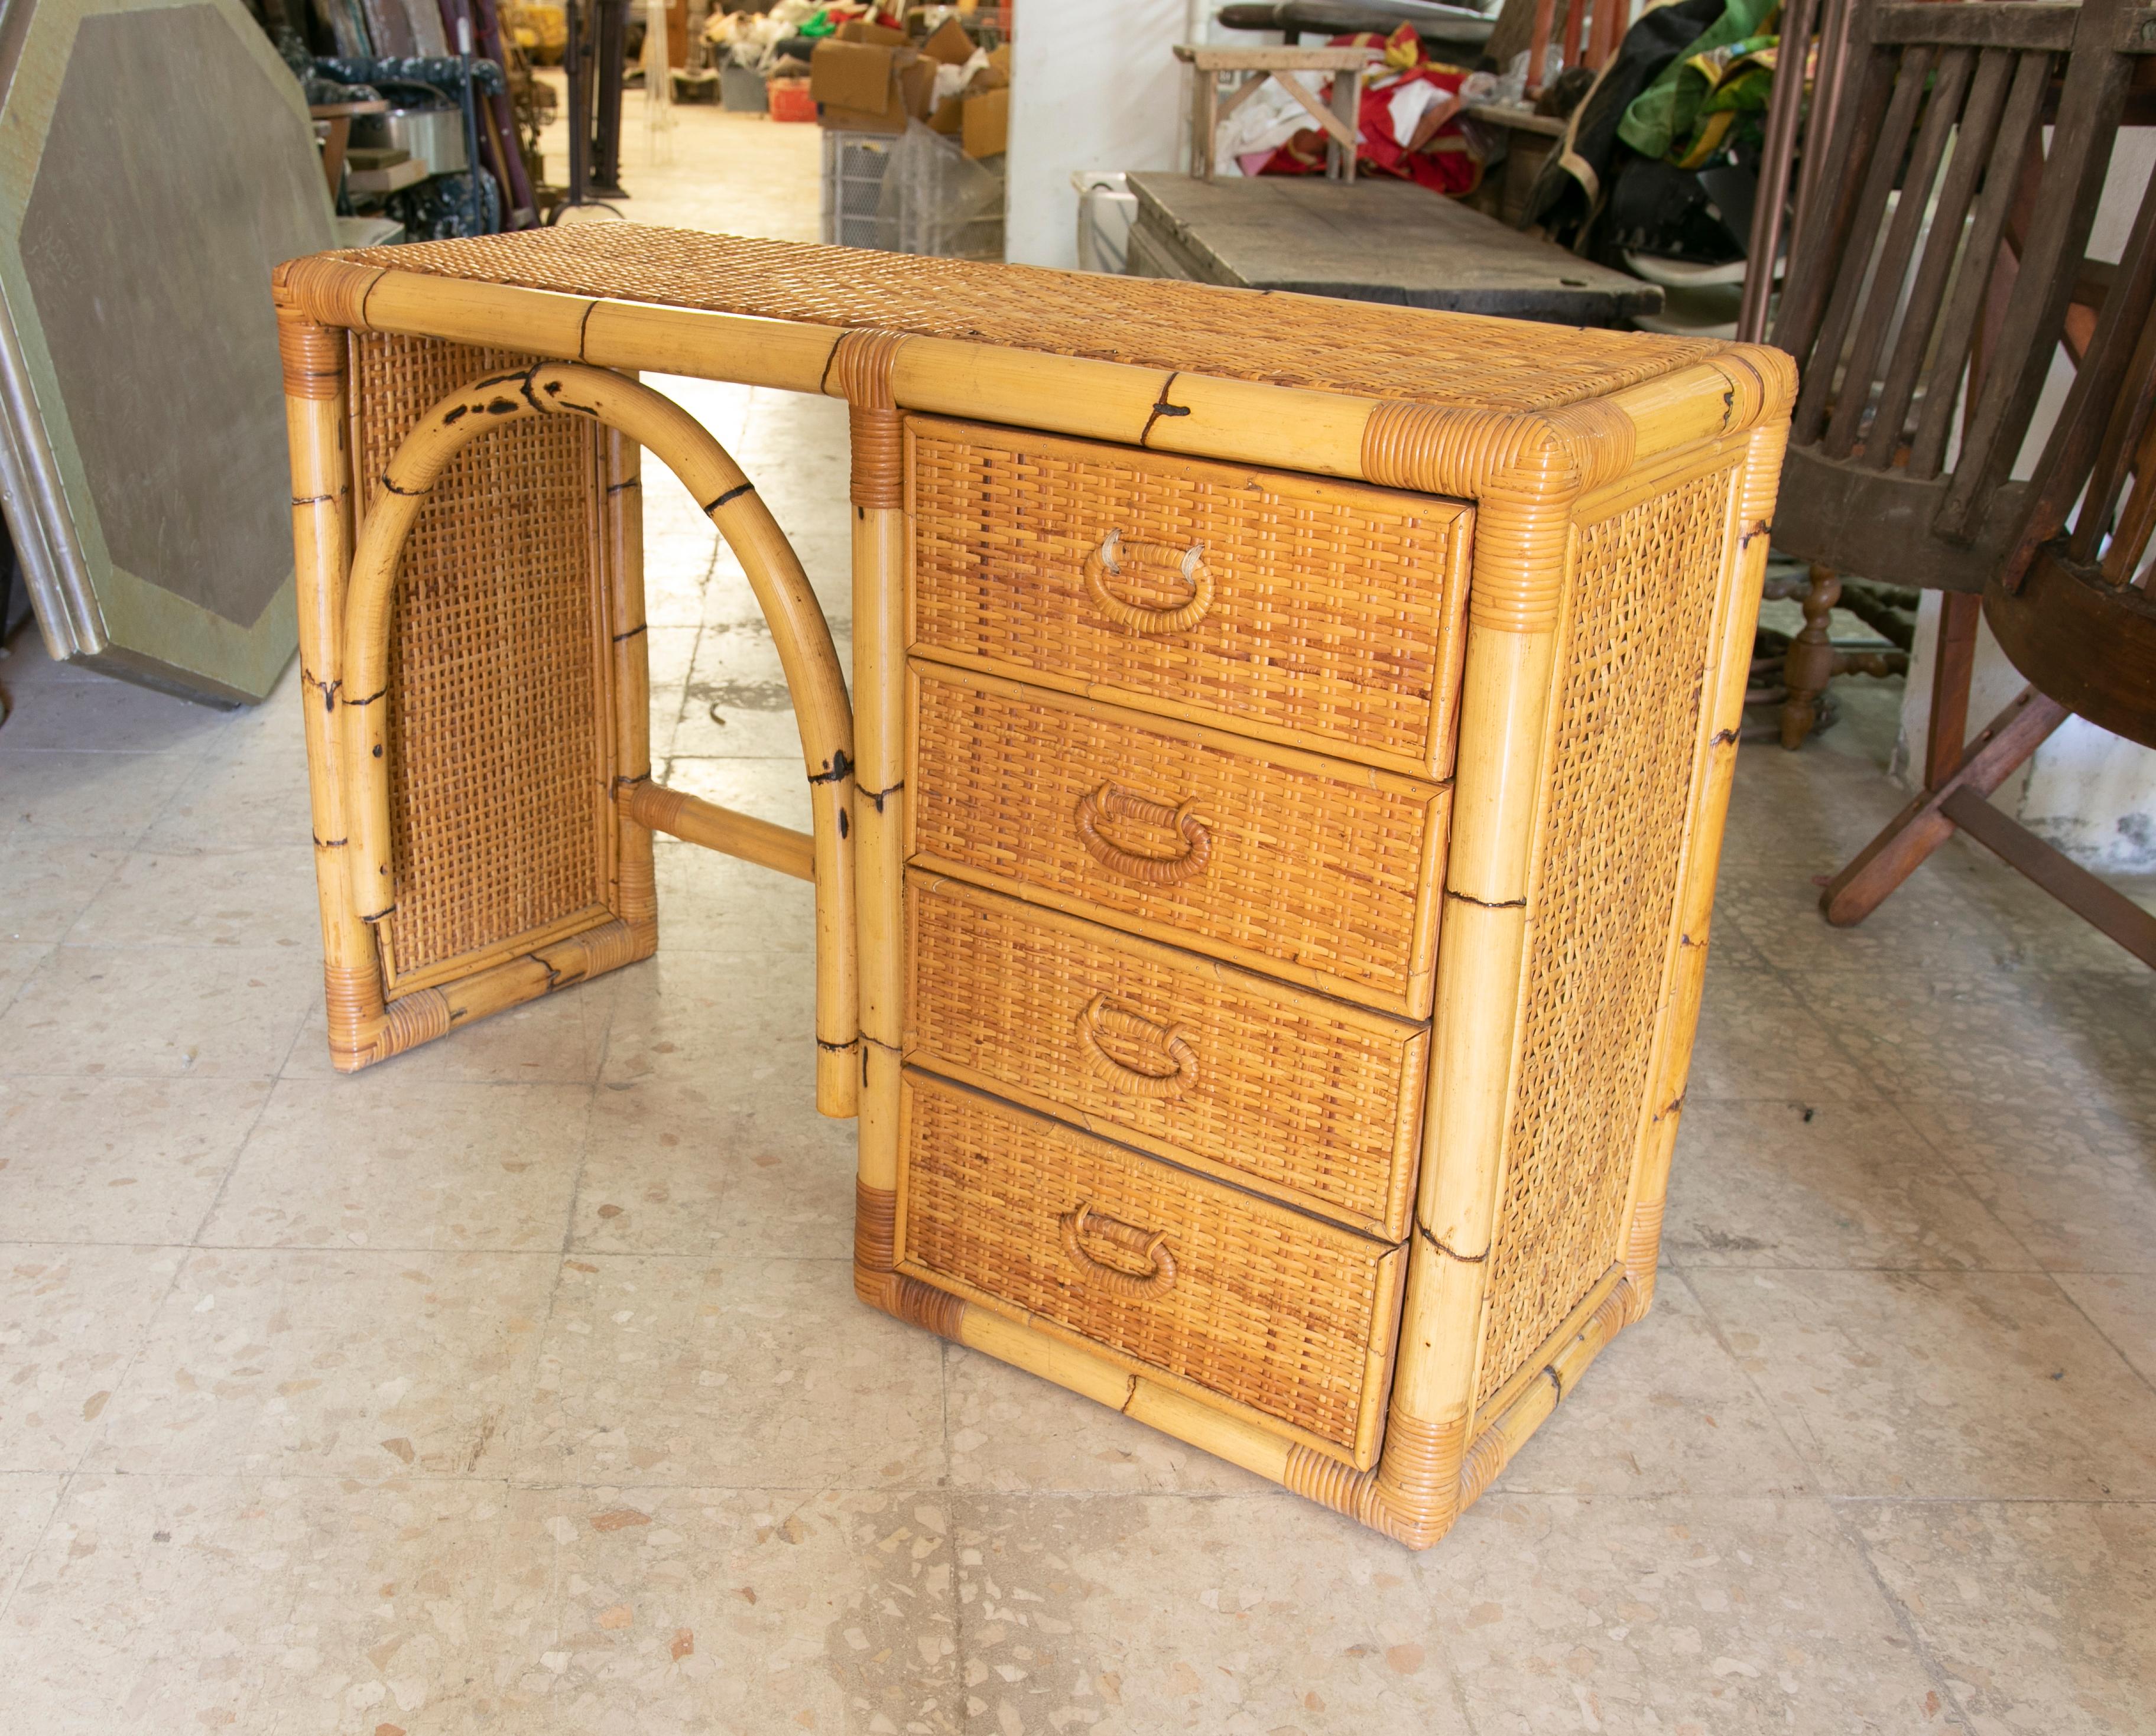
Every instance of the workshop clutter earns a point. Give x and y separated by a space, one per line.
875 77
916 119
1409 124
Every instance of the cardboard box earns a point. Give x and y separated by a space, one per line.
917 87
985 126
1000 59
947 118
882 35
864 86
949 44
860 76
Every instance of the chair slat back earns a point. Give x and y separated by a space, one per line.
2099 470
1940 119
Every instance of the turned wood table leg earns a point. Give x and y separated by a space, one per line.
1810 665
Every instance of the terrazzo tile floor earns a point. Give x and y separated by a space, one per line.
518 1386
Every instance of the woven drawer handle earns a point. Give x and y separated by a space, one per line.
1177 1076
1137 618
1110 803
1150 1245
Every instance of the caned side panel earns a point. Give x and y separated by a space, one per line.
1323 610
1297 1094
1267 1307
1300 866
1625 736
497 719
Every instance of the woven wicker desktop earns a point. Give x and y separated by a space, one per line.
1263 873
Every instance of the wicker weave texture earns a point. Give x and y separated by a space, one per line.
1267 1307
1293 1092
1307 863
1610 859
1303 340
1327 609
497 745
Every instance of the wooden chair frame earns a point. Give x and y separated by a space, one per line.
1947 101
2001 275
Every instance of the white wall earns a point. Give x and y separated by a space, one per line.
2085 791
1093 86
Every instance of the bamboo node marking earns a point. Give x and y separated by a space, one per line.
1468 898
1161 408
732 494
1438 1243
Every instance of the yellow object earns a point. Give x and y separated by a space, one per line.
542 31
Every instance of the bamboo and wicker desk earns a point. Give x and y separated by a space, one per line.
1263 874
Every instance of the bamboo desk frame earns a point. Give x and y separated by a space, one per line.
1578 454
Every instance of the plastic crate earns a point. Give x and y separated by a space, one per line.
854 165
790 99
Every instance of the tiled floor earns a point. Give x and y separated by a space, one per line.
518 1386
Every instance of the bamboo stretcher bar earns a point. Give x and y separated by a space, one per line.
710 827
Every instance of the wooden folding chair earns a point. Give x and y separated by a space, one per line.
2071 606
1885 302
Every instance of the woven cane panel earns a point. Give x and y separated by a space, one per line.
496 755
1334 608
1619 799
1305 341
1268 1307
1319 870
1285 1090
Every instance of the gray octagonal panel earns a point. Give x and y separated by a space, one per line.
148 225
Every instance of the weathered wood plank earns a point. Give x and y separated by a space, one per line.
1372 240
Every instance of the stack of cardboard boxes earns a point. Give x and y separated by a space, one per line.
870 78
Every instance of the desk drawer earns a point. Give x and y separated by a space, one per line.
1303 867
1299 1096
1220 1292
1323 614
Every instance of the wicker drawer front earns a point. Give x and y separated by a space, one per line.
1225 1295
1322 613
1300 866
1304 1096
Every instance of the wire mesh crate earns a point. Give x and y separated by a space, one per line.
854 166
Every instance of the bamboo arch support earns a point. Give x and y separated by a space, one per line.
806 654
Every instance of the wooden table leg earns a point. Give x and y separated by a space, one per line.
1204 122
1347 105
333 149
1947 734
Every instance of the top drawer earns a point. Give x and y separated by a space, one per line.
1320 614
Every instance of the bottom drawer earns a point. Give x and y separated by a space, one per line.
1272 1314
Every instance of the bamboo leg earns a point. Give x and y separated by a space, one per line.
861 370
636 895
315 424
880 861
798 629
1523 551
